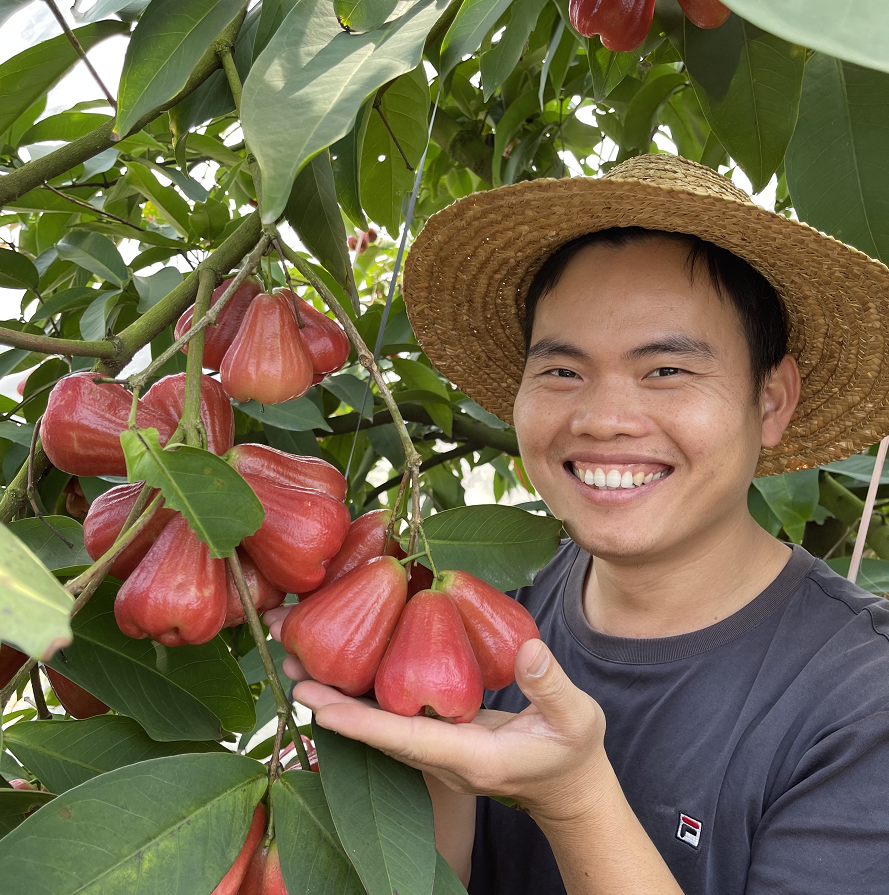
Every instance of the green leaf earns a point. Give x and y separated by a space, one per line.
498 63
173 825
474 20
306 828
156 286
345 159
20 433
47 546
9 8
855 30
273 12
307 86
251 664
836 169
17 271
314 214
641 117
873 574
219 506
748 83
170 38
168 202
27 77
175 693
386 178
351 391
859 467
95 253
34 607
363 15
15 804
66 300
64 754
65 126
446 881
792 497
382 813
415 375
299 415
523 107
94 320
608 68
505 546
762 513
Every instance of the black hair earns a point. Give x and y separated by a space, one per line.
752 295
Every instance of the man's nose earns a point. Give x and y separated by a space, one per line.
608 407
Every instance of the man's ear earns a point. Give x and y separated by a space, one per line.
778 400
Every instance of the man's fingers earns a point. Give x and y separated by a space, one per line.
294 669
274 618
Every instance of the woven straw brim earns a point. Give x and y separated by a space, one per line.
469 270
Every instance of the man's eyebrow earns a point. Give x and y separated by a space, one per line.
548 348
675 343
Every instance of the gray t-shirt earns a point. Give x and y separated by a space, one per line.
755 752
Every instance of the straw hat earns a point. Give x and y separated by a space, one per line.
468 271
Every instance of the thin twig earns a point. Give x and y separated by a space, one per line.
43 713
93 208
32 488
377 103
438 459
190 422
275 763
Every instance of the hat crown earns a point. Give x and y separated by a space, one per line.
673 171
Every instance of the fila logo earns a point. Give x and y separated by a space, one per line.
689 830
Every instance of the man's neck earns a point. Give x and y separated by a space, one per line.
674 594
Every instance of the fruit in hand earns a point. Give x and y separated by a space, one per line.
324 339
302 531
76 701
288 469
177 593
705 13
268 361
340 633
219 337
365 540
231 882
167 395
622 24
83 421
105 520
264 873
495 624
264 594
429 665
10 662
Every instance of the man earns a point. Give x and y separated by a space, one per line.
710 710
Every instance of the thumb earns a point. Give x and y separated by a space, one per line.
543 681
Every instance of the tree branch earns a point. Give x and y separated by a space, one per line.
51 345
427 464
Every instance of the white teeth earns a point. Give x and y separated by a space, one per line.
599 477
612 479
588 477
648 478
626 480
638 478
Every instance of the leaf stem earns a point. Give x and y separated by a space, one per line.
93 208
191 422
43 712
231 75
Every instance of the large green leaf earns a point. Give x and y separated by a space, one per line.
171 825
836 162
170 38
305 827
305 89
15 804
446 881
382 813
859 467
95 253
505 546
519 110
474 20
641 117
415 375
34 607
748 82
363 15
17 271
345 159
35 71
856 30
608 68
65 126
64 754
219 505
173 208
386 176
498 63
175 693
792 497
873 574
298 415
47 546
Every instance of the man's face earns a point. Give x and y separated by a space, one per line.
636 375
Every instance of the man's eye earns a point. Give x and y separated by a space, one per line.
661 372
562 373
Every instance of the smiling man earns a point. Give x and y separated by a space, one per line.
710 710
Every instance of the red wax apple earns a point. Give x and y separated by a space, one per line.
429 665
622 24
264 873
83 421
366 539
10 662
168 396
177 593
705 13
288 469
231 882
265 595
325 339
76 701
340 633
495 624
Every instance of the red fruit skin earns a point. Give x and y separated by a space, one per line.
325 340
19 783
340 633
219 337
705 13
76 701
622 24
288 469
10 662
268 360
231 882
168 396
83 421
430 663
264 873
495 624
265 595
311 754
105 520
177 593
421 579
302 531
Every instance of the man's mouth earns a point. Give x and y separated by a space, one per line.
614 477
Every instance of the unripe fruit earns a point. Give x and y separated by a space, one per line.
365 540
105 520
231 882
10 662
177 593
352 242
219 337
429 665
168 396
264 594
267 361
340 633
83 421
705 13
372 235
495 624
76 701
288 469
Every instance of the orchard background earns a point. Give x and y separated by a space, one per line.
275 135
